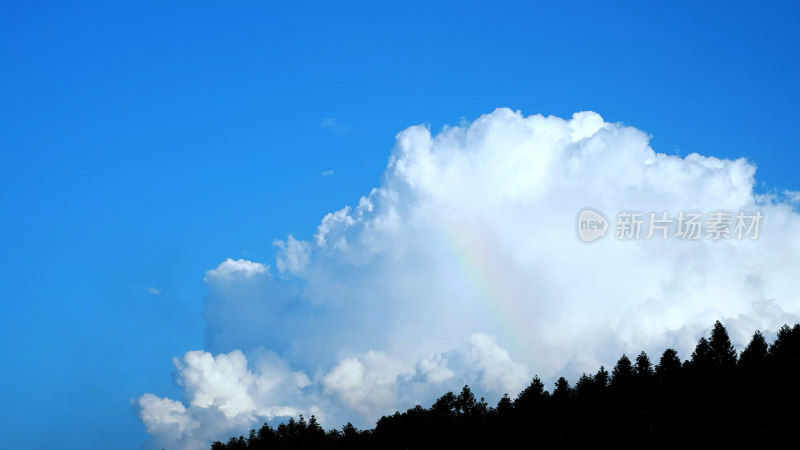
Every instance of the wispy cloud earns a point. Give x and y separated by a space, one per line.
149 290
334 126
327 173
792 196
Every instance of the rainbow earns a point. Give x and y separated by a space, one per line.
477 260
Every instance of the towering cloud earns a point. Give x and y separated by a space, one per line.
464 266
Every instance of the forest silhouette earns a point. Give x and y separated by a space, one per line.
716 398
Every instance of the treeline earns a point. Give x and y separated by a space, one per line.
715 398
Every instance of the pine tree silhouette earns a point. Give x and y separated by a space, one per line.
712 399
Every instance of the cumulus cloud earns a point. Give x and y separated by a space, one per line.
375 383
365 383
241 268
293 255
165 417
463 266
230 393
246 307
496 371
222 394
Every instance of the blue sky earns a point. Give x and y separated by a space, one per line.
142 144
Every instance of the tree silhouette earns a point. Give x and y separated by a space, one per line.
669 366
561 398
712 400
643 368
722 350
602 378
754 356
702 356
644 386
622 373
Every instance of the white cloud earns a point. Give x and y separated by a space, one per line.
375 383
153 291
293 255
162 416
477 222
792 196
220 381
327 173
434 369
498 372
236 269
223 395
464 267
366 383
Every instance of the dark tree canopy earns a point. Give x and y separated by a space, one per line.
721 348
711 400
702 357
622 373
602 378
644 368
669 365
756 353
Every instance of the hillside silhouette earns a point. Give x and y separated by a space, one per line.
715 398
